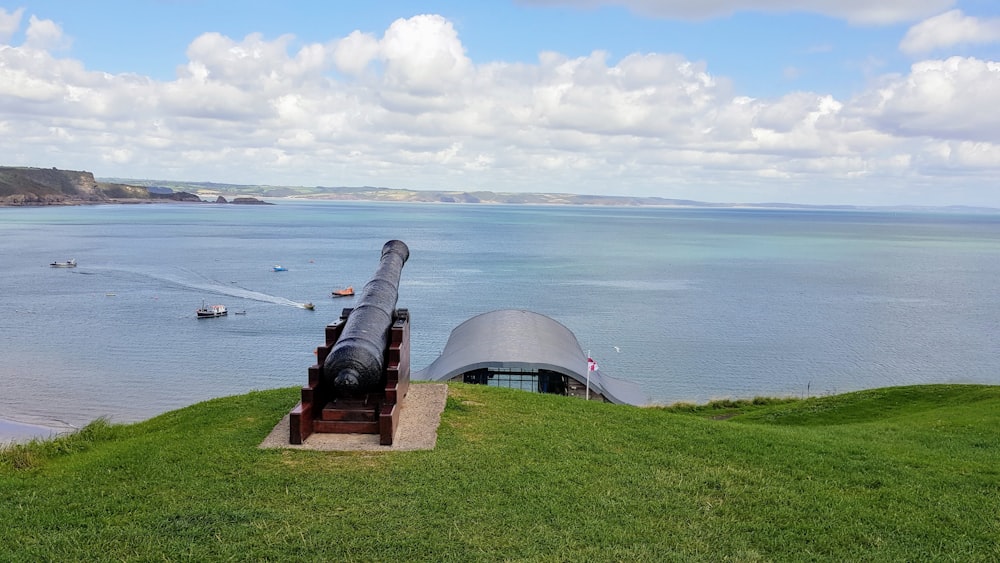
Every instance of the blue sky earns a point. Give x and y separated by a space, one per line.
839 101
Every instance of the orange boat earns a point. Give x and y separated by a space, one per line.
346 292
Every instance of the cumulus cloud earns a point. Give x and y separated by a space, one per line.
949 29
252 61
10 22
45 34
409 109
855 11
353 53
941 99
423 55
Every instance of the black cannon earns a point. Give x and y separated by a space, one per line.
356 362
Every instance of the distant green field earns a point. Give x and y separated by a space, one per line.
899 474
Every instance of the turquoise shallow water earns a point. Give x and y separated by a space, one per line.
693 304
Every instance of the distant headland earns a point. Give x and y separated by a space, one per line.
24 186
31 187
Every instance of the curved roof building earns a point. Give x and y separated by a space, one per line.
517 348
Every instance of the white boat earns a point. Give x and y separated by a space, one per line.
66 264
209 311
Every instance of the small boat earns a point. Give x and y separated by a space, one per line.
280 269
209 311
309 306
346 292
240 313
66 264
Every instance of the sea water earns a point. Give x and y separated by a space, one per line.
691 304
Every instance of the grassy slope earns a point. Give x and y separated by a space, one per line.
894 474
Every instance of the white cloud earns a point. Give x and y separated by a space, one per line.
409 109
10 22
353 53
867 12
45 34
253 62
951 99
424 56
950 29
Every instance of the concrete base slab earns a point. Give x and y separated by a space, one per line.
418 423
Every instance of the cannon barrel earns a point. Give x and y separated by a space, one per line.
356 362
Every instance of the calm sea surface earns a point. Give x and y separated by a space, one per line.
691 304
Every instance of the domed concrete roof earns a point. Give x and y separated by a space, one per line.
523 340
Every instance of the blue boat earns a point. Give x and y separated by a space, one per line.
280 269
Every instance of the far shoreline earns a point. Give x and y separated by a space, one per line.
326 198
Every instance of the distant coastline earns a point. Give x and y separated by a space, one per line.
33 187
399 195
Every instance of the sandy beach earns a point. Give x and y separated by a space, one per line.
15 432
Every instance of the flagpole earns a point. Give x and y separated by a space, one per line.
588 375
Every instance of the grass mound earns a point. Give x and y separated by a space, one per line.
896 474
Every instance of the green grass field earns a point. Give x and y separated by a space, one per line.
899 474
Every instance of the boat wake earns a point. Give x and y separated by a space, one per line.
203 284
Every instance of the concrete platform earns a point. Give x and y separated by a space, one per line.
418 423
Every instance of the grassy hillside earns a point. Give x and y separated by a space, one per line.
45 182
900 474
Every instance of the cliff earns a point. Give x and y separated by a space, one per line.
25 186
46 186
